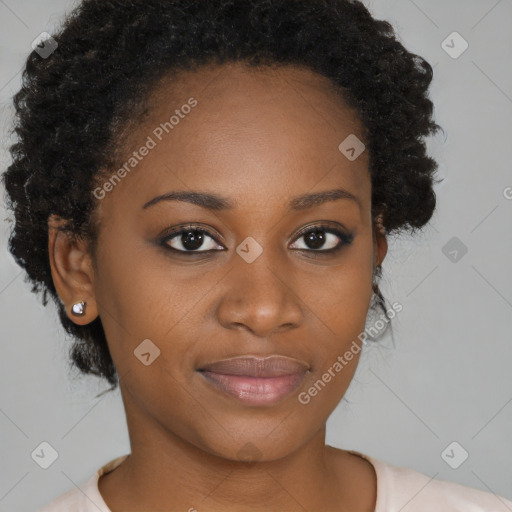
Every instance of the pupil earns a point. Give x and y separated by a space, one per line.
192 240
315 239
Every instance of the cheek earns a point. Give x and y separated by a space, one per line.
339 305
143 295
340 295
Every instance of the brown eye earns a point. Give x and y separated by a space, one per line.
323 239
191 239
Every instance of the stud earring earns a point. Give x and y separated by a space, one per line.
78 309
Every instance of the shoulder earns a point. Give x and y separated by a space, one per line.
70 501
85 498
405 489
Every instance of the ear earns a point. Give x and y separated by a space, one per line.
380 241
72 271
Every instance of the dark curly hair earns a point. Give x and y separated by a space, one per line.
74 105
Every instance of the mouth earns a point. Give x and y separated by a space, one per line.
255 380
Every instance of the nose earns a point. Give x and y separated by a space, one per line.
260 297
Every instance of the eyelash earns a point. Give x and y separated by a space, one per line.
345 239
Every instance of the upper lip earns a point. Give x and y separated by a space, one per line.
253 366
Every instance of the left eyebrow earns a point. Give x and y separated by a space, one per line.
215 202
309 200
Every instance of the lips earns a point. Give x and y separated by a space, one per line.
250 366
254 380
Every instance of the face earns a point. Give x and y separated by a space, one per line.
257 270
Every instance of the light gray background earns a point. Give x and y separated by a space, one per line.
448 379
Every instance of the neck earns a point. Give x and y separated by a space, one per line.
167 472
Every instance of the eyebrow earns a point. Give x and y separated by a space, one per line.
216 203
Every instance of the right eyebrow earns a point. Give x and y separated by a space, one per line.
203 199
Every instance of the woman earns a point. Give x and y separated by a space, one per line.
205 190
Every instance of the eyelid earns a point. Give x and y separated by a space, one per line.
189 227
319 225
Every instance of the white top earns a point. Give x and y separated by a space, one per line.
399 489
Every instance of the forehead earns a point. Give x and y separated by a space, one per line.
257 132
236 93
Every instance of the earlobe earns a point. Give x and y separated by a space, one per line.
382 248
72 272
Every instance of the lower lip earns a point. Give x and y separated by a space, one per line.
255 390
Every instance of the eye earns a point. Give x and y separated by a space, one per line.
189 239
323 238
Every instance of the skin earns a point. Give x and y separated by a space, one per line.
260 138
